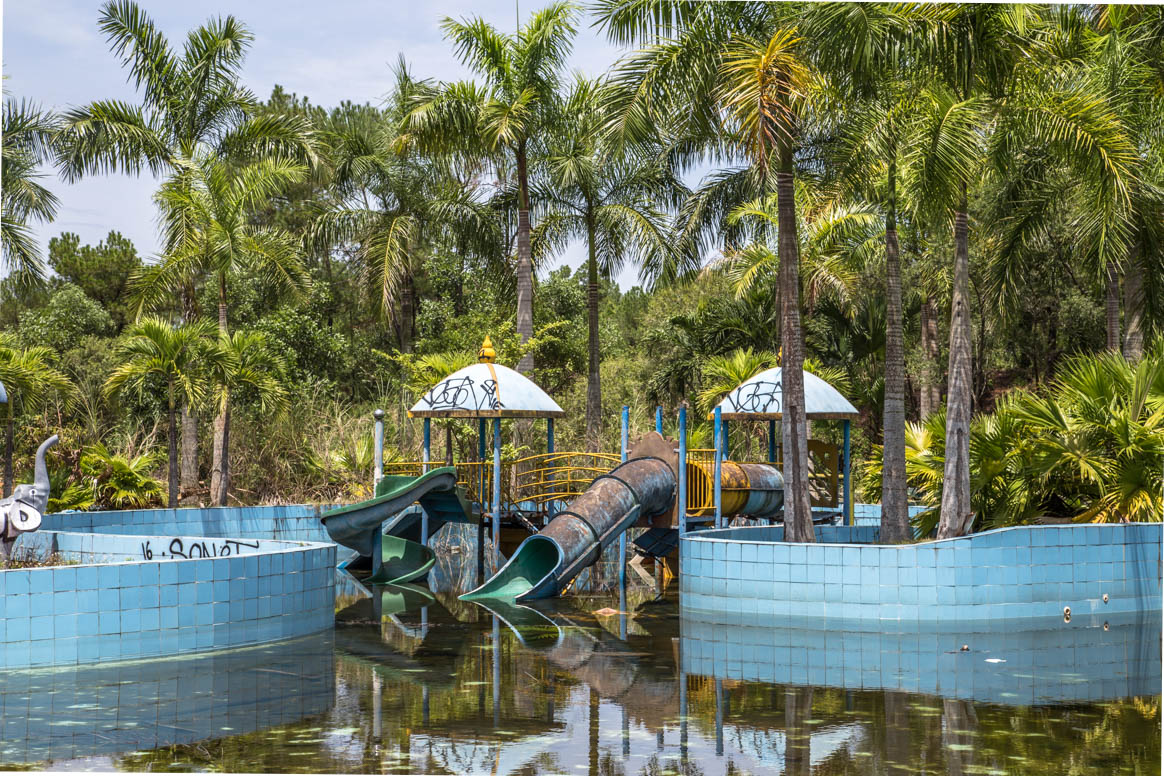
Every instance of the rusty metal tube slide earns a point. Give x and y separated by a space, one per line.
544 564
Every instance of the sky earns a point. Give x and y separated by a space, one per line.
54 54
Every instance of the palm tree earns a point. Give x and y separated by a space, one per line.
156 349
192 105
734 79
30 380
393 203
507 116
242 360
205 215
610 197
981 71
27 135
867 42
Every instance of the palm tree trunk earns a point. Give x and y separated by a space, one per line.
1112 307
407 311
9 449
931 393
794 426
1133 309
189 469
220 465
524 262
593 383
956 482
894 505
172 451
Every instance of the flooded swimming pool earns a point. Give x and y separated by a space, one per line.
421 682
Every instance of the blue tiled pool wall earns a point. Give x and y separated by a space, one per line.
294 522
141 608
90 710
1065 662
1026 571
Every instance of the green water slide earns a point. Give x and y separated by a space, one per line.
545 563
387 530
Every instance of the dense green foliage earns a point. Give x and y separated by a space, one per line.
350 255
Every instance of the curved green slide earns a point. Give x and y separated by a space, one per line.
385 526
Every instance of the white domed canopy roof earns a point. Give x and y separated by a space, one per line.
486 390
758 398
3 395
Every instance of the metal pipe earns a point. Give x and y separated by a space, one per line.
659 419
718 467
726 447
682 471
378 445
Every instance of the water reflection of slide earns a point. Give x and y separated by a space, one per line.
610 666
84 711
1078 661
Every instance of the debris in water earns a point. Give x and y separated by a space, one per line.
606 611
995 660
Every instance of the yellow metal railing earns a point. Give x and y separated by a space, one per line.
550 477
560 476
539 479
823 479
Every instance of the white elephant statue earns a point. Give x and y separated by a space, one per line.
22 511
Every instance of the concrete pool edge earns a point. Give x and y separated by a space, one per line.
1010 573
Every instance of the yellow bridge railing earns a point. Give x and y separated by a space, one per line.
561 476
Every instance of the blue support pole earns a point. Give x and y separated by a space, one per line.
771 441
496 494
726 447
427 454
622 536
659 419
424 470
481 500
718 465
481 457
549 450
847 517
378 445
682 471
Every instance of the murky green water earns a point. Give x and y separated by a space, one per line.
430 684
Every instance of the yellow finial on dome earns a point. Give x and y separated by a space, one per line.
486 354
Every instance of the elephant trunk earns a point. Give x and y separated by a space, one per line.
41 477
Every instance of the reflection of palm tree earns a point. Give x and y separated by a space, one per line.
797 732
897 755
959 726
